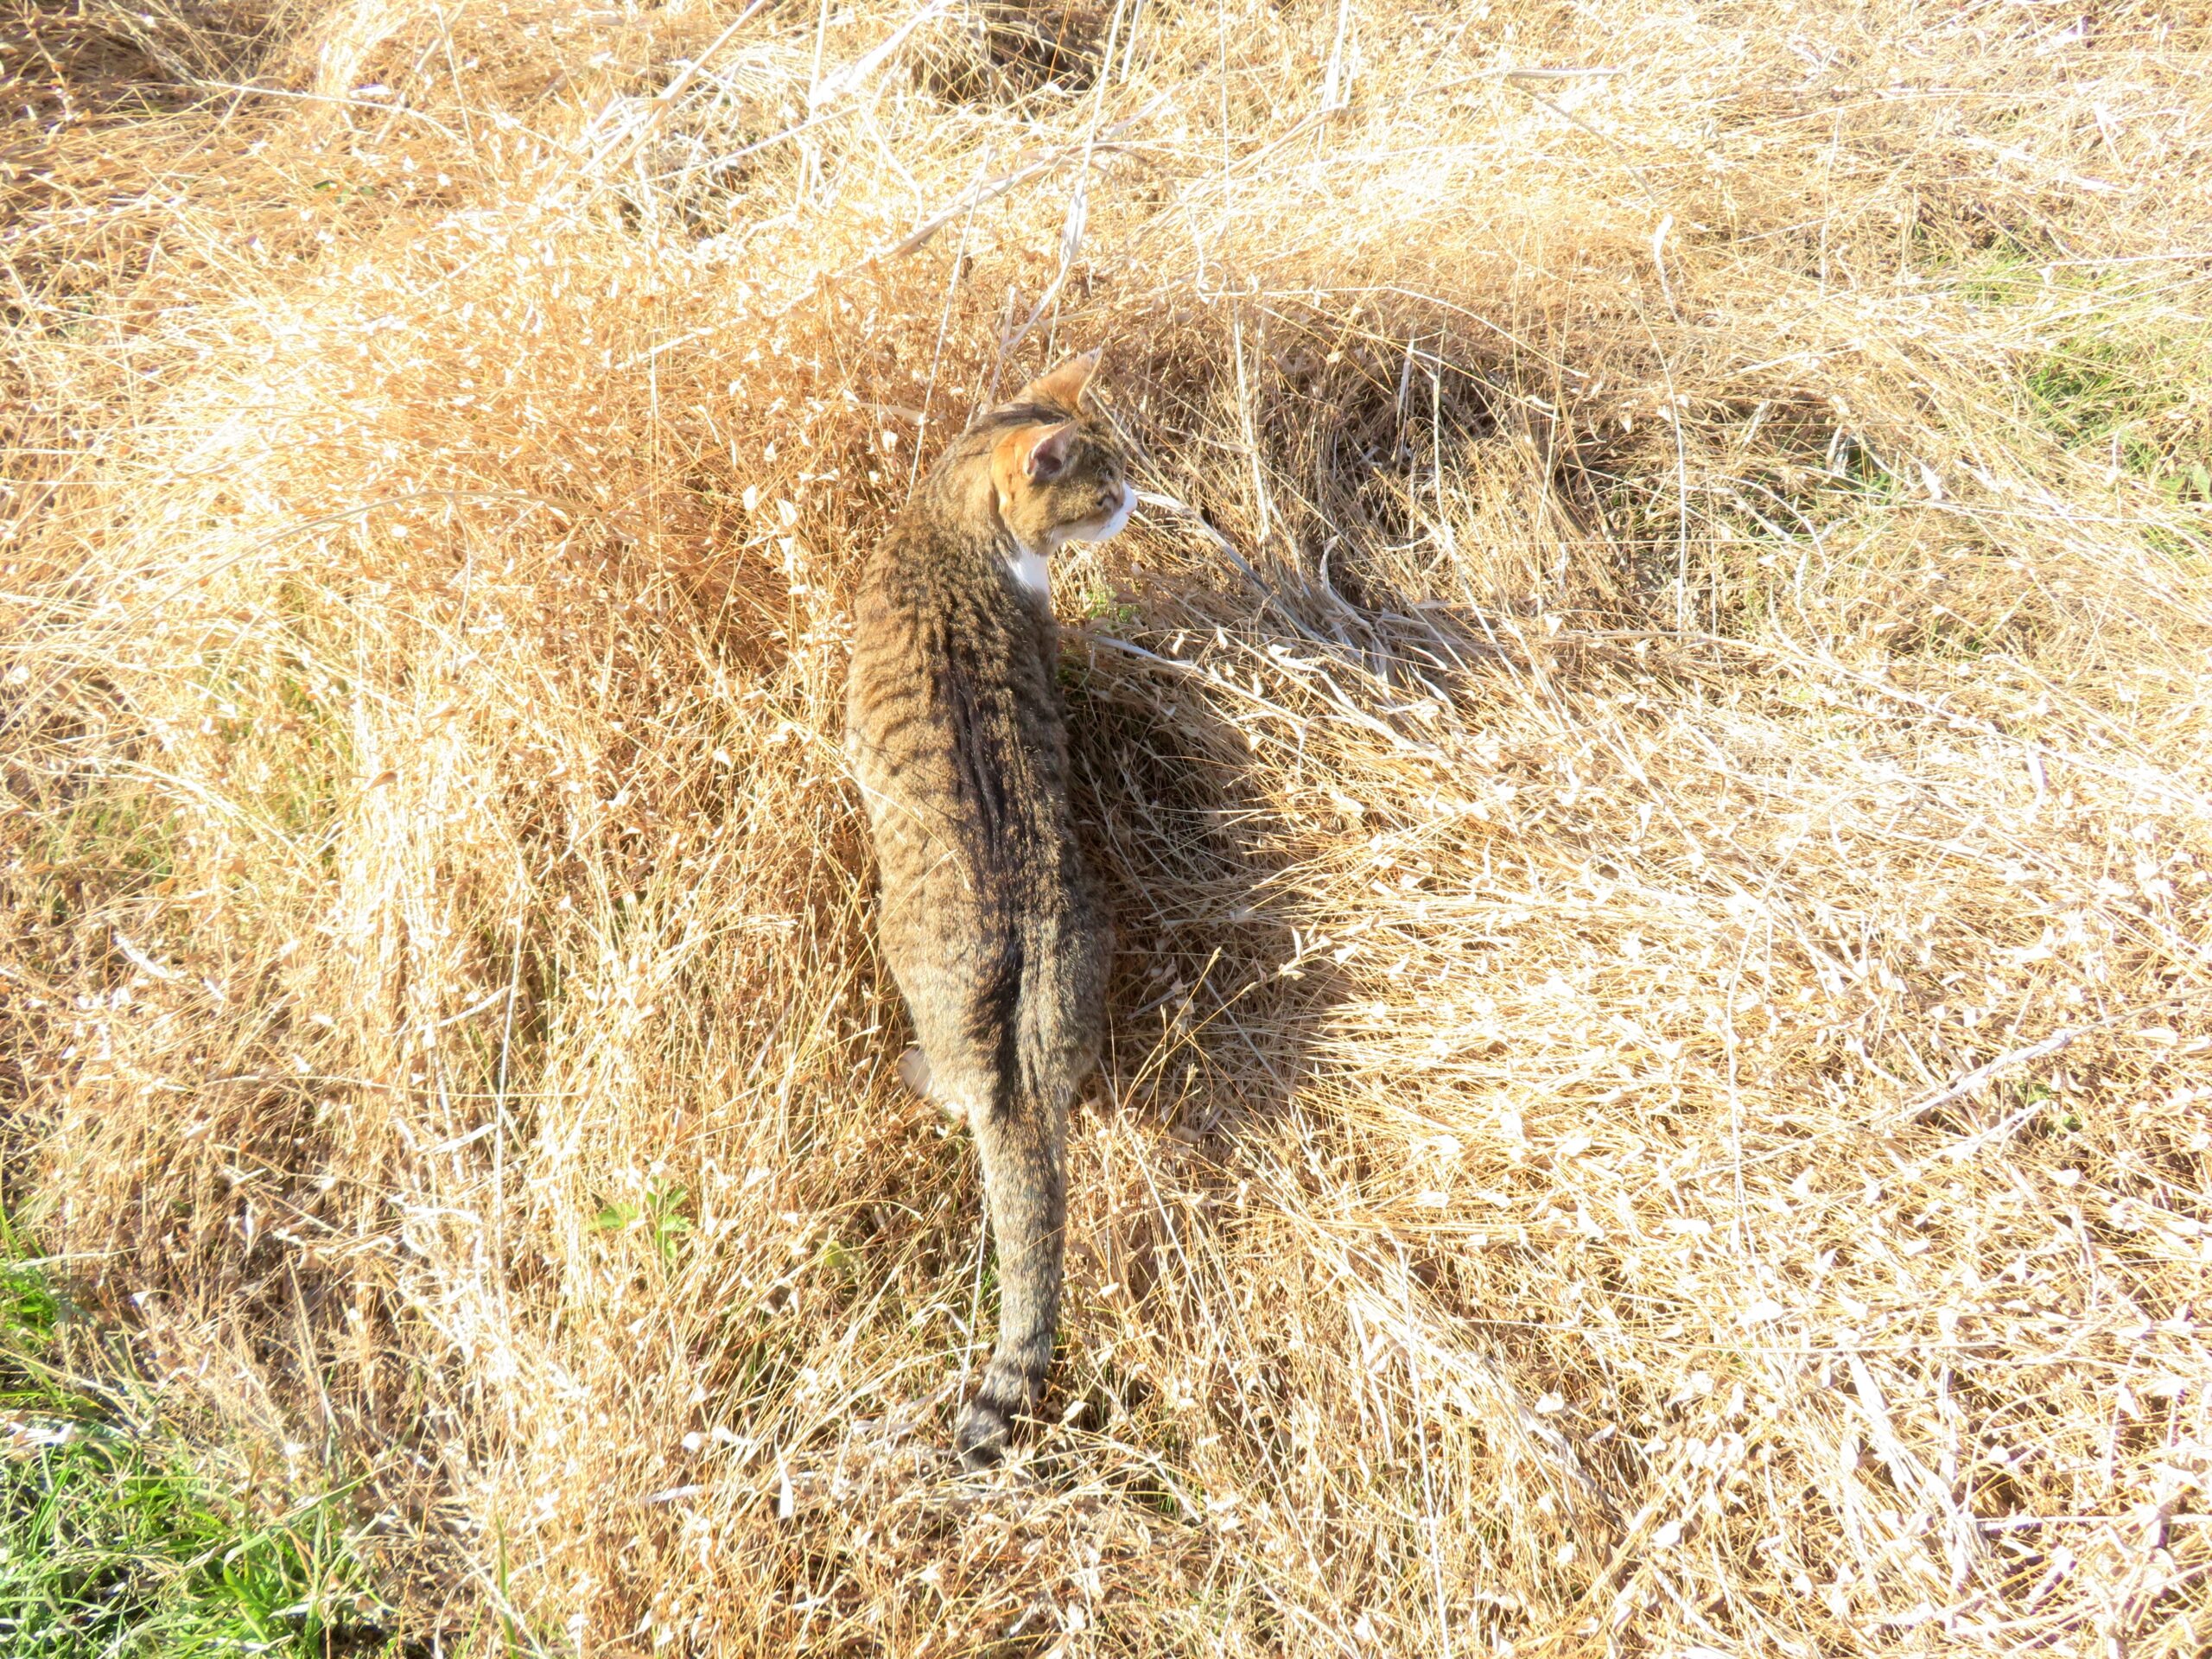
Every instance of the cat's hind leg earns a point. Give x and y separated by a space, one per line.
1021 1139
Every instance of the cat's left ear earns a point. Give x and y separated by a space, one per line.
1048 455
1061 385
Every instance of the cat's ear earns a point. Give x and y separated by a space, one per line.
1060 386
1046 453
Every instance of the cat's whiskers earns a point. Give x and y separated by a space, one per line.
1031 567
1099 529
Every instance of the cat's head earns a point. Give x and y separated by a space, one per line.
1056 475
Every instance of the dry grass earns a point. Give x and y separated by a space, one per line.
1650 755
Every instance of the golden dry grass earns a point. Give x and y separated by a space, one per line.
1650 755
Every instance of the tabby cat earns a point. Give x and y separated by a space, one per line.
989 921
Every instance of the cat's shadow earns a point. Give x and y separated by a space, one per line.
1212 1005
1212 1014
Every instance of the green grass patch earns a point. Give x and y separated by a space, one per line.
2006 273
2116 393
2123 376
118 1540
1100 604
115 839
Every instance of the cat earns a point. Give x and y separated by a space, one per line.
988 919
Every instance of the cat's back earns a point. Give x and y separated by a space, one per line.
933 617
951 705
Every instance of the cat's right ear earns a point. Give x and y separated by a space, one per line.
1062 385
1046 454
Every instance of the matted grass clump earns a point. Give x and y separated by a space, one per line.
1648 749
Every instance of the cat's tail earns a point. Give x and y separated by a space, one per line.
1021 1136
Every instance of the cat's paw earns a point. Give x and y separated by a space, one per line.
1002 1399
982 1438
914 1071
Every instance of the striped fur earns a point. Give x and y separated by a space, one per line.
989 922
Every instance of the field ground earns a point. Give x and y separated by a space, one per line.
1650 749
124 1535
